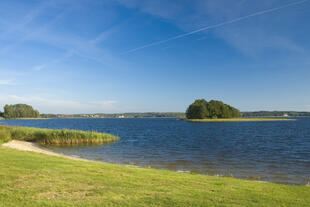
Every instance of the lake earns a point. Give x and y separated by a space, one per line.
266 151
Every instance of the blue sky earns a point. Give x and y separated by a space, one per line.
107 56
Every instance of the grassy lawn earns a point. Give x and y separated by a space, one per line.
33 179
238 119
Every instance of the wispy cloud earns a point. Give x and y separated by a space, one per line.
42 66
75 46
29 34
10 73
71 44
51 105
31 15
203 29
7 82
39 67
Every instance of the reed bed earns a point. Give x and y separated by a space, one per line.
54 136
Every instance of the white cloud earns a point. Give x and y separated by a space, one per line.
39 67
10 72
7 82
50 105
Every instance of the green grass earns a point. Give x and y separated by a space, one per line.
238 119
33 179
53 136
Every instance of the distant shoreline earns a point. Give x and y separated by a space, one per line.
247 118
238 120
25 118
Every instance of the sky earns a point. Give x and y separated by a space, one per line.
115 56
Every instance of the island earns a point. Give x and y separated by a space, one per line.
217 111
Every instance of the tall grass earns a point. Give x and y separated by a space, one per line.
54 136
5 134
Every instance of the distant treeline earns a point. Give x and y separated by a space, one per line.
118 115
274 113
27 111
19 111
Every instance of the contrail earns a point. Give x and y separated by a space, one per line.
217 25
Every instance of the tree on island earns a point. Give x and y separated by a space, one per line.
201 109
20 111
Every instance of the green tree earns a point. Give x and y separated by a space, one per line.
201 109
197 110
20 111
8 111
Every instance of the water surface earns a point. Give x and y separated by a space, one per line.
267 151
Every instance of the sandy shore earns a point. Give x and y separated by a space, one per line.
33 147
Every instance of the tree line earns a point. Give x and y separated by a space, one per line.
202 109
275 113
19 111
117 115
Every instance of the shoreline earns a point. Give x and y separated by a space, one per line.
33 147
238 120
34 179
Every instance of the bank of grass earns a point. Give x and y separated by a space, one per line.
31 118
53 136
238 119
33 179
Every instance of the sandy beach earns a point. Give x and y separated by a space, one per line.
33 147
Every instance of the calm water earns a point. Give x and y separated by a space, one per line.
268 151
